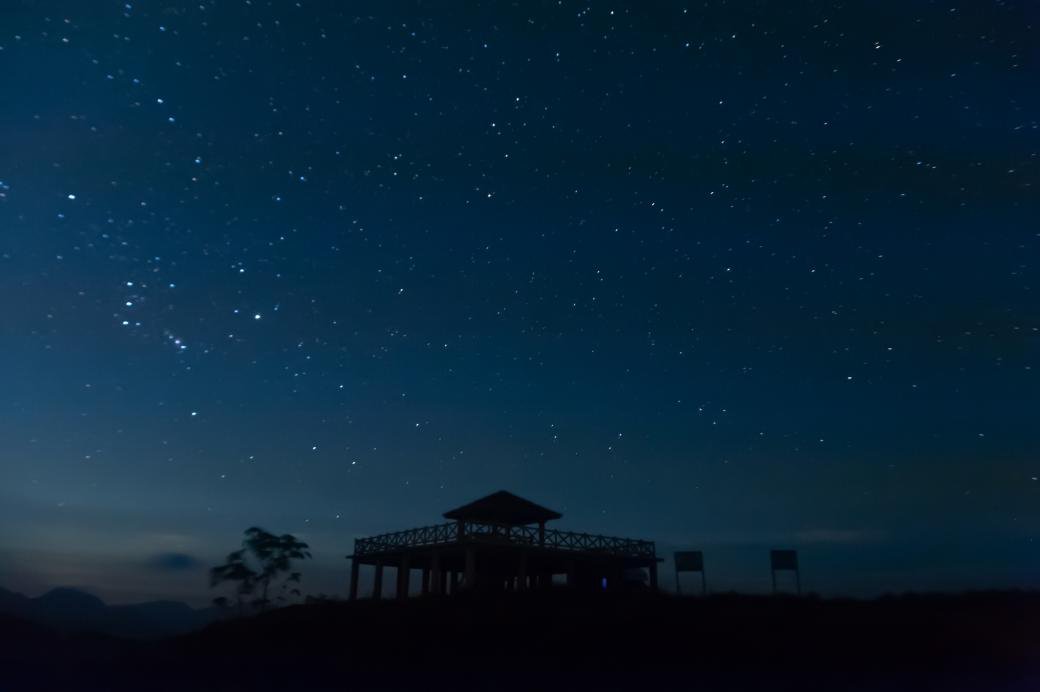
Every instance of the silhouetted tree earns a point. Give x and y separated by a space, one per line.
235 570
222 605
264 557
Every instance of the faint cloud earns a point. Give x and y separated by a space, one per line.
173 562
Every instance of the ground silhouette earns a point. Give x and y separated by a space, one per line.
560 639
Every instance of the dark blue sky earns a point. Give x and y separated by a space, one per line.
727 276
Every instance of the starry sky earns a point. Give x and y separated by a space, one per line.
724 275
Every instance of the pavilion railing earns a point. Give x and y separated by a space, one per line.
552 539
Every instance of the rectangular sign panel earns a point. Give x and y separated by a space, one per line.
689 561
784 559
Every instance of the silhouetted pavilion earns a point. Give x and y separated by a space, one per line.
499 542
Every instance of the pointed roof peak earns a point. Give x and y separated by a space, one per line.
503 507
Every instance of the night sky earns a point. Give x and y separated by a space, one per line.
724 275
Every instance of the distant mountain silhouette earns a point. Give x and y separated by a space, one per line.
71 611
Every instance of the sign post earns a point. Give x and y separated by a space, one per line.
690 561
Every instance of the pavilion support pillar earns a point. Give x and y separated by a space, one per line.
425 589
522 581
572 573
403 574
436 575
469 579
653 575
355 568
541 533
377 584
454 582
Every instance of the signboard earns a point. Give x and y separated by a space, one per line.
784 559
689 561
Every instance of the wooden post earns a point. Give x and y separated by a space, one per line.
522 586
653 575
454 582
377 585
355 566
572 574
541 533
425 588
403 574
469 579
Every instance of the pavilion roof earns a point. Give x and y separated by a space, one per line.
503 507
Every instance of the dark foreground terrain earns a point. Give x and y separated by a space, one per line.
983 641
